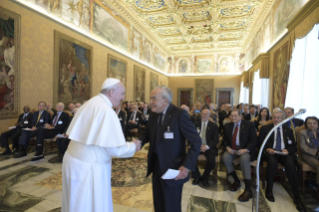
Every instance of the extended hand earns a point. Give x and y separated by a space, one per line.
33 128
138 144
183 173
203 148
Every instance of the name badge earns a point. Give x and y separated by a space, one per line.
137 119
60 122
120 119
168 134
289 142
41 120
26 122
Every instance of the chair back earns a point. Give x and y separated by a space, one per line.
298 129
68 112
51 112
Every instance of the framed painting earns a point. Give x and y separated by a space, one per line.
281 73
153 81
204 90
110 27
139 83
9 63
117 69
72 70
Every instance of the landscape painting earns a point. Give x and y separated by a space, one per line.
159 61
117 69
109 28
204 90
9 63
72 70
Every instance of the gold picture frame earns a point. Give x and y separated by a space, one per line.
116 68
72 70
139 83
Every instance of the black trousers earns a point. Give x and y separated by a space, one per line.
210 165
166 198
45 134
288 161
25 137
63 144
14 134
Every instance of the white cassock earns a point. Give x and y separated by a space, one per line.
96 136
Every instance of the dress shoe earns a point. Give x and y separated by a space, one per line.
234 186
6 152
269 195
37 156
196 181
206 183
57 159
245 197
20 154
14 151
299 205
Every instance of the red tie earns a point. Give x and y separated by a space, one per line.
234 146
55 119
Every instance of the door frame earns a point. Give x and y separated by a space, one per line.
179 96
225 89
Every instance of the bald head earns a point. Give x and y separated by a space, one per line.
184 107
115 93
60 106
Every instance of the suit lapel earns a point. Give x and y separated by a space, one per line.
242 126
207 130
285 136
167 119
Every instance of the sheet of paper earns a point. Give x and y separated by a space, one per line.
11 128
280 153
59 136
26 129
170 174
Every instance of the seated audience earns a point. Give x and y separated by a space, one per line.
213 114
258 108
49 107
225 109
78 105
121 114
62 143
24 121
134 120
210 138
281 141
57 125
141 106
39 119
309 143
71 108
146 113
227 119
246 110
293 123
239 139
252 113
261 119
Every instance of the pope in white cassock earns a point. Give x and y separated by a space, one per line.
96 136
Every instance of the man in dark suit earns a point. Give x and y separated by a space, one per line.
293 123
209 134
167 131
283 141
239 139
49 107
225 109
24 121
122 117
71 108
252 113
62 143
59 123
145 113
134 120
39 119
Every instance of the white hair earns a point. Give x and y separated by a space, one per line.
166 92
280 111
60 103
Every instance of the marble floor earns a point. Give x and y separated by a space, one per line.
37 187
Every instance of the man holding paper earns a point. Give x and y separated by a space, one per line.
167 131
281 141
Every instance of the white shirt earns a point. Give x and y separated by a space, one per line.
57 116
206 130
237 137
25 115
282 138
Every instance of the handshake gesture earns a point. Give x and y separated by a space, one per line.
138 144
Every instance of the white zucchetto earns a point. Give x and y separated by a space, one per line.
109 82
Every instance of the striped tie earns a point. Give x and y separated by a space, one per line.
278 140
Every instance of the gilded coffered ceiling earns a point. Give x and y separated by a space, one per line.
196 26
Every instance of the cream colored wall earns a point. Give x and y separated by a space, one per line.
219 82
37 57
